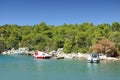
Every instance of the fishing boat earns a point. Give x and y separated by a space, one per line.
41 55
93 58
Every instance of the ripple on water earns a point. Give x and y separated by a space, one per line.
28 68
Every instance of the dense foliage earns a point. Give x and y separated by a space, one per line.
106 47
70 37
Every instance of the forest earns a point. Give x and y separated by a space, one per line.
71 37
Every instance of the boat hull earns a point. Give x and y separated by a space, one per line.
42 57
93 61
59 57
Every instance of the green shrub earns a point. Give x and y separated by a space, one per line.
83 50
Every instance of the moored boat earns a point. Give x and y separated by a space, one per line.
41 55
60 57
93 58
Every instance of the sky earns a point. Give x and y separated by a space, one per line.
58 12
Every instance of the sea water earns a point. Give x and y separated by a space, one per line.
28 68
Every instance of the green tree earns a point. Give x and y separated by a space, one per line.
67 46
115 26
12 42
2 45
115 37
81 39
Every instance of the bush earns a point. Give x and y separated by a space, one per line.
83 50
105 46
90 50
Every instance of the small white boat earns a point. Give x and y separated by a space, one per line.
93 58
41 55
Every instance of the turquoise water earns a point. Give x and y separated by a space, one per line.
28 68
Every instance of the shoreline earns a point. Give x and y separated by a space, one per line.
62 55
85 56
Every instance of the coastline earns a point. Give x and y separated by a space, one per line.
85 56
62 55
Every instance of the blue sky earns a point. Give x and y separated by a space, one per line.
58 12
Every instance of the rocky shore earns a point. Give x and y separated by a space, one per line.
85 55
59 54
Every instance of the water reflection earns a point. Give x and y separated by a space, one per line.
92 66
40 63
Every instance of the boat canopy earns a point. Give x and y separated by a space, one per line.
94 54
